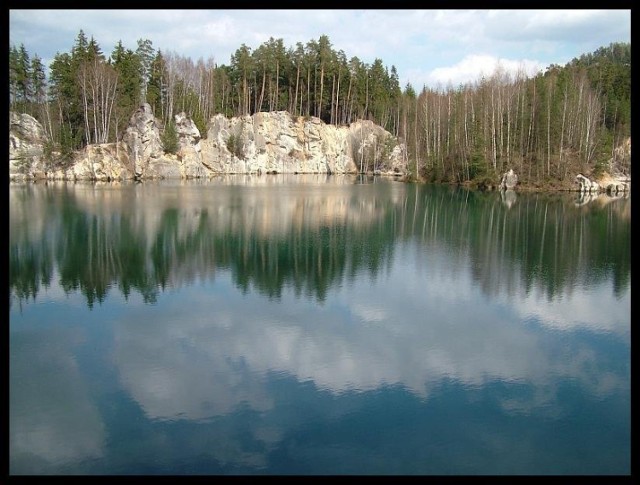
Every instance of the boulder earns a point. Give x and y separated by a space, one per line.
586 185
509 180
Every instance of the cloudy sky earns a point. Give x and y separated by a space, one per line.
428 47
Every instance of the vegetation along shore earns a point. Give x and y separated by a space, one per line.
142 113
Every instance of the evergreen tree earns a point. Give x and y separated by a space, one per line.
170 138
23 75
157 89
547 127
13 76
146 56
63 88
127 66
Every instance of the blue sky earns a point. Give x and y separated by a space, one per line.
427 47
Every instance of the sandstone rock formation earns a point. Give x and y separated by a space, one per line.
587 185
142 139
26 146
272 142
509 180
276 142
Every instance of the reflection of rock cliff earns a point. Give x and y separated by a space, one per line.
272 142
163 234
307 235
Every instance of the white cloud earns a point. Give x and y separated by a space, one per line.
558 25
473 67
419 43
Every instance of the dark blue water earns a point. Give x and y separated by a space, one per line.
316 325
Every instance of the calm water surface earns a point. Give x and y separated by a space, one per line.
316 325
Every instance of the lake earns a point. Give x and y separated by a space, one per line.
317 325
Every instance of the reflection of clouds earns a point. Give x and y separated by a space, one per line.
53 422
579 309
430 325
174 373
369 313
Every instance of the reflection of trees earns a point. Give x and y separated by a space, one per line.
305 240
543 240
29 267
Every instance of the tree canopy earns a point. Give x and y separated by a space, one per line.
568 118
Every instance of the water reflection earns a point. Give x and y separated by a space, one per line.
176 369
53 419
508 197
584 198
262 325
310 236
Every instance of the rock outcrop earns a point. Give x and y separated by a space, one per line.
587 185
27 139
272 142
276 142
509 180
142 139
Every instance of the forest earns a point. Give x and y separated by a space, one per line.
565 120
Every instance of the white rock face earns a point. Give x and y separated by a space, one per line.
188 133
26 146
261 143
104 162
142 139
509 180
276 142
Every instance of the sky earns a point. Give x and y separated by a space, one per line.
428 47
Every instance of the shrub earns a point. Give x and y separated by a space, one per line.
234 145
170 139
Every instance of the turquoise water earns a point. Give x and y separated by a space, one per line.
316 325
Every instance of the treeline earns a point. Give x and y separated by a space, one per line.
567 119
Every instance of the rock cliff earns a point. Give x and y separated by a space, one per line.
27 140
272 142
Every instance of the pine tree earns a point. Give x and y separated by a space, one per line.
170 138
146 56
127 65
157 86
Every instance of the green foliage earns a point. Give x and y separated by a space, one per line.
129 68
201 123
169 138
156 87
609 71
19 77
146 55
234 145
388 145
57 156
546 126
